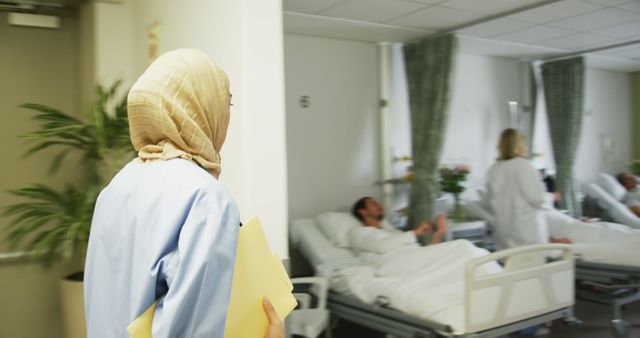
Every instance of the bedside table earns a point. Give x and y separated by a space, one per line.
473 231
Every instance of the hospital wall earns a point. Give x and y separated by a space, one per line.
332 142
40 66
481 87
606 139
327 171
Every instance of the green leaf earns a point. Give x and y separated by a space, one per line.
55 223
55 164
49 112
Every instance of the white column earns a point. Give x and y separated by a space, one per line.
385 146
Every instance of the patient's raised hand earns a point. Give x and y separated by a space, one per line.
561 240
441 224
440 230
423 228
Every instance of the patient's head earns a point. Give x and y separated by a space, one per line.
511 145
627 180
367 208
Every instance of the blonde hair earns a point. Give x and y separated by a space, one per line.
511 145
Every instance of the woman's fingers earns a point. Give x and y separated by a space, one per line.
271 312
276 327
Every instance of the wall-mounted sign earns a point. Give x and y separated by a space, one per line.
153 40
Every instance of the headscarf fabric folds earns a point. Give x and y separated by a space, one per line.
179 108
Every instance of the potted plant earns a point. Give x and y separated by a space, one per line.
53 224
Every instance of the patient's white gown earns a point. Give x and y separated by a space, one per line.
167 231
516 196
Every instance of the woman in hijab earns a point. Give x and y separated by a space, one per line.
165 229
516 196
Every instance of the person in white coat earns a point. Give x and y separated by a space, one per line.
516 196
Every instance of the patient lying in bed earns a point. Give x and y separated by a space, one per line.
379 236
394 252
597 242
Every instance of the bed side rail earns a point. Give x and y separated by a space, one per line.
528 286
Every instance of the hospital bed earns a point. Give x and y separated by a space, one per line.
610 208
529 291
616 285
613 283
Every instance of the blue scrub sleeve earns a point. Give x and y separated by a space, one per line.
199 272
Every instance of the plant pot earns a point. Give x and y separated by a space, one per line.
72 306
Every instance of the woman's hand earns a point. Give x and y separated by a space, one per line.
560 240
441 229
423 228
441 224
276 326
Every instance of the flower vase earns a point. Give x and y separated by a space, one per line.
457 214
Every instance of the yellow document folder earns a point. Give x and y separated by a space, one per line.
258 273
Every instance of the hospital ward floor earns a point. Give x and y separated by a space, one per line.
595 318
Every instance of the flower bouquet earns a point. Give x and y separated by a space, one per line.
451 178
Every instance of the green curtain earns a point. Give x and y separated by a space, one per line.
563 83
428 64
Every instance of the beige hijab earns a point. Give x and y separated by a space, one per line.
179 109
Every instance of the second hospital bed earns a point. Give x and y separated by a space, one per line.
606 265
528 291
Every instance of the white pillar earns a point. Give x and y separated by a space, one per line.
385 146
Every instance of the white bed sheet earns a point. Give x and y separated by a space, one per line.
427 282
599 242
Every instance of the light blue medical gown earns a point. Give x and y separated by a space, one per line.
162 230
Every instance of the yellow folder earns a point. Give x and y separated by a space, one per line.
258 273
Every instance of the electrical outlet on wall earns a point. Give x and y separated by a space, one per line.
304 101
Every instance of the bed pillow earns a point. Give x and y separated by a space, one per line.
316 247
611 185
618 211
336 226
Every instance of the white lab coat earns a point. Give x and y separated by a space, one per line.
516 196
166 231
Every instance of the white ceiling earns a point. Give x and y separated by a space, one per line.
524 29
